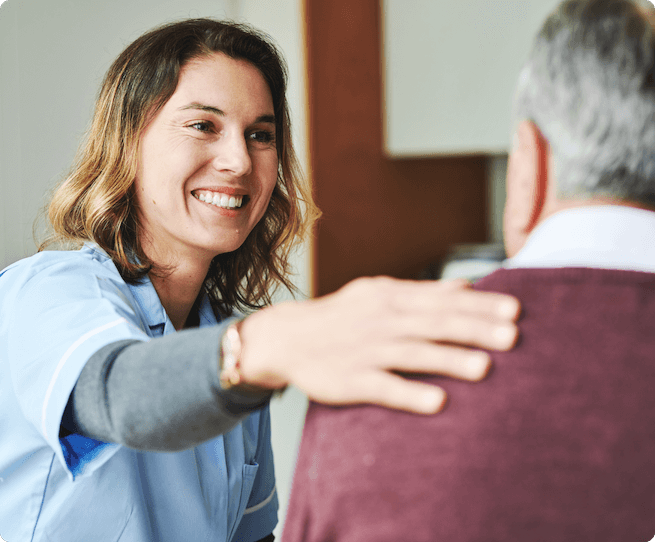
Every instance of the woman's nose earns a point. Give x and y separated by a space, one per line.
233 156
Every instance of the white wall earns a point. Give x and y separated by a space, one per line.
53 55
450 71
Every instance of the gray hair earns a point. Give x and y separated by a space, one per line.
589 85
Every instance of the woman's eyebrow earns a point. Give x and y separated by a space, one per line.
202 107
266 118
216 111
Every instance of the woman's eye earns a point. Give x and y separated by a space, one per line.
202 126
262 136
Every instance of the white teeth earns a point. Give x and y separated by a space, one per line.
220 200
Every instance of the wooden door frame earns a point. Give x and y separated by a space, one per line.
380 215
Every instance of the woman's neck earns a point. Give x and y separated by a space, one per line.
178 288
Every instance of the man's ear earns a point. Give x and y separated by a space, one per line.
527 176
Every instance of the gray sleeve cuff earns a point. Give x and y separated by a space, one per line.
161 395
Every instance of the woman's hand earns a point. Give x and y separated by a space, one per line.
347 347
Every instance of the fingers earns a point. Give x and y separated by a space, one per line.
457 296
430 358
440 311
392 391
495 305
395 296
462 329
344 383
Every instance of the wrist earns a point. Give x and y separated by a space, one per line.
230 350
233 373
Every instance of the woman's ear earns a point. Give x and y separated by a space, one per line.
527 175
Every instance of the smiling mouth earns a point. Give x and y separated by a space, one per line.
221 200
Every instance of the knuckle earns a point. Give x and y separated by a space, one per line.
407 353
350 381
380 294
454 284
360 287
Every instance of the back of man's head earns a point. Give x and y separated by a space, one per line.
589 86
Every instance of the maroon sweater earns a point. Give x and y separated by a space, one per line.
557 444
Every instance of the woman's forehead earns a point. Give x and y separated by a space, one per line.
218 76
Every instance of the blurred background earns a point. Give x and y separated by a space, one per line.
401 113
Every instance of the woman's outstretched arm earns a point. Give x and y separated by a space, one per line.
161 395
345 348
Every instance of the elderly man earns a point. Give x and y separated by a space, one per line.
557 443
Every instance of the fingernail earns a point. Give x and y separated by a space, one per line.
504 336
507 308
478 365
433 400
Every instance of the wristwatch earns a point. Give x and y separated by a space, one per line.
230 375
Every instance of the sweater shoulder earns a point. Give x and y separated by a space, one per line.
510 280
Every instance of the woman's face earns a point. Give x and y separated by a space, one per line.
207 162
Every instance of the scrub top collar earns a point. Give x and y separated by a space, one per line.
146 295
153 311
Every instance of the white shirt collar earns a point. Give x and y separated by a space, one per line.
608 236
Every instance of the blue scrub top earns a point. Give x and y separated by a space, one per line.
56 310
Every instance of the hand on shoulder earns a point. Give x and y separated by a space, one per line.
348 347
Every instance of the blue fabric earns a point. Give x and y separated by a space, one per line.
56 310
79 451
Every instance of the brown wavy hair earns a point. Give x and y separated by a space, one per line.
96 201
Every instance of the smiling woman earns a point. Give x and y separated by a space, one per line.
213 140
189 148
184 202
178 62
